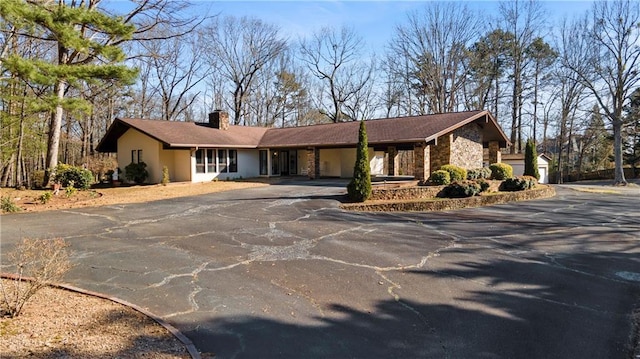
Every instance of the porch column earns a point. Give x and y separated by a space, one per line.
421 161
393 163
495 156
313 162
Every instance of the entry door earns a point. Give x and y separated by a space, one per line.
284 163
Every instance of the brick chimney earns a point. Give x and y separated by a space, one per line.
219 119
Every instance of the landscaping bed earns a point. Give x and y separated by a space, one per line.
398 201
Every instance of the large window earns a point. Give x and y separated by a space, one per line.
264 163
211 161
206 161
222 160
233 160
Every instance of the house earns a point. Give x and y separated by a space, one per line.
199 152
517 162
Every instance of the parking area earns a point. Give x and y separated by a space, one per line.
281 271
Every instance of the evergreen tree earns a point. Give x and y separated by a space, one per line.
531 160
86 41
359 189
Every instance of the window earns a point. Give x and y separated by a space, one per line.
233 160
222 160
211 161
275 163
136 156
200 161
264 165
205 161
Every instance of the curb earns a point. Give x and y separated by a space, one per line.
191 348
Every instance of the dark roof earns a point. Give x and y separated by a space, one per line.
175 134
400 130
411 129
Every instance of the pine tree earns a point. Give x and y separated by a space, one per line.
531 160
86 41
359 189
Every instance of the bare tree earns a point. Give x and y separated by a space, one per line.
238 49
174 74
613 58
335 58
434 44
522 18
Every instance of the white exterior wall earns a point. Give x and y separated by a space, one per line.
248 162
518 168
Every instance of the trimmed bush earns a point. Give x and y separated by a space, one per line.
165 175
455 173
478 173
531 160
501 171
359 188
484 185
532 181
515 184
461 189
440 178
73 176
136 172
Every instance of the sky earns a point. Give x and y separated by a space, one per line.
375 21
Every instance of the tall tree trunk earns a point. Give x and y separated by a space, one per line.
54 134
619 178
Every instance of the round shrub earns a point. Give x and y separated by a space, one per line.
532 181
473 174
461 189
484 185
136 172
455 173
485 173
501 171
440 178
73 176
515 184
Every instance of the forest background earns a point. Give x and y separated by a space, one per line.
68 68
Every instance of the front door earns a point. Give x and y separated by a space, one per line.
284 163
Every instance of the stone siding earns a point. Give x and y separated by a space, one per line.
466 147
441 153
313 163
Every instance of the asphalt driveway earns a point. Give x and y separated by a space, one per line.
282 272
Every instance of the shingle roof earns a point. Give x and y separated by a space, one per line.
389 130
183 134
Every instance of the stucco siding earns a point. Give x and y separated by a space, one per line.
134 140
339 162
181 170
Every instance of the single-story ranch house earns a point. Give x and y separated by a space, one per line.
199 152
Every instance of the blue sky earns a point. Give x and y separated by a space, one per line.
373 20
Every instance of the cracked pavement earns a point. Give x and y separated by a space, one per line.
281 271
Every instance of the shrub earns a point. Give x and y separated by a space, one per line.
165 175
359 188
37 179
531 160
45 197
70 190
532 181
44 260
461 189
455 173
8 206
479 173
516 184
484 185
73 176
440 177
501 171
136 172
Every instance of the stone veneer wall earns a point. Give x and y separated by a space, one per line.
440 154
313 163
466 147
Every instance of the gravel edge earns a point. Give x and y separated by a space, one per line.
191 348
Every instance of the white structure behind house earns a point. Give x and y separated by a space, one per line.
517 162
